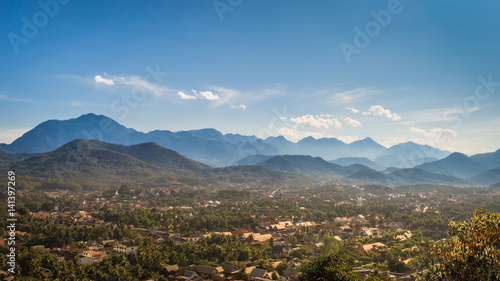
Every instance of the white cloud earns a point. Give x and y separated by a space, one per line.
316 121
100 80
378 110
353 110
435 133
241 106
352 122
208 95
348 139
184 96
352 95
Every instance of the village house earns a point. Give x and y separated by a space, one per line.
191 276
374 247
259 274
94 254
193 238
229 269
369 231
346 230
404 236
208 271
125 247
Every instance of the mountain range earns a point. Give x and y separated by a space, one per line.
95 164
192 155
211 147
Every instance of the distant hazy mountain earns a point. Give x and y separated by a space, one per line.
366 148
347 161
95 164
331 148
408 155
211 147
418 176
456 164
253 159
370 177
206 145
489 177
490 160
314 167
403 177
52 134
389 170
320 147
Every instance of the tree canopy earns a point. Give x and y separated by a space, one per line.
329 267
473 250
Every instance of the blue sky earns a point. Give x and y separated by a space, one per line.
395 71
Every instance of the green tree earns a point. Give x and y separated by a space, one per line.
48 206
326 268
473 250
281 266
330 245
242 275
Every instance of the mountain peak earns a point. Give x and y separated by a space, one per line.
457 155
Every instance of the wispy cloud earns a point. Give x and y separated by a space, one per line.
351 96
353 110
131 83
378 110
352 122
241 106
30 101
439 114
436 134
234 96
140 84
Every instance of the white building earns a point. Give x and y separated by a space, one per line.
125 248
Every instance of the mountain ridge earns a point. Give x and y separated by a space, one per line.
213 148
90 164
